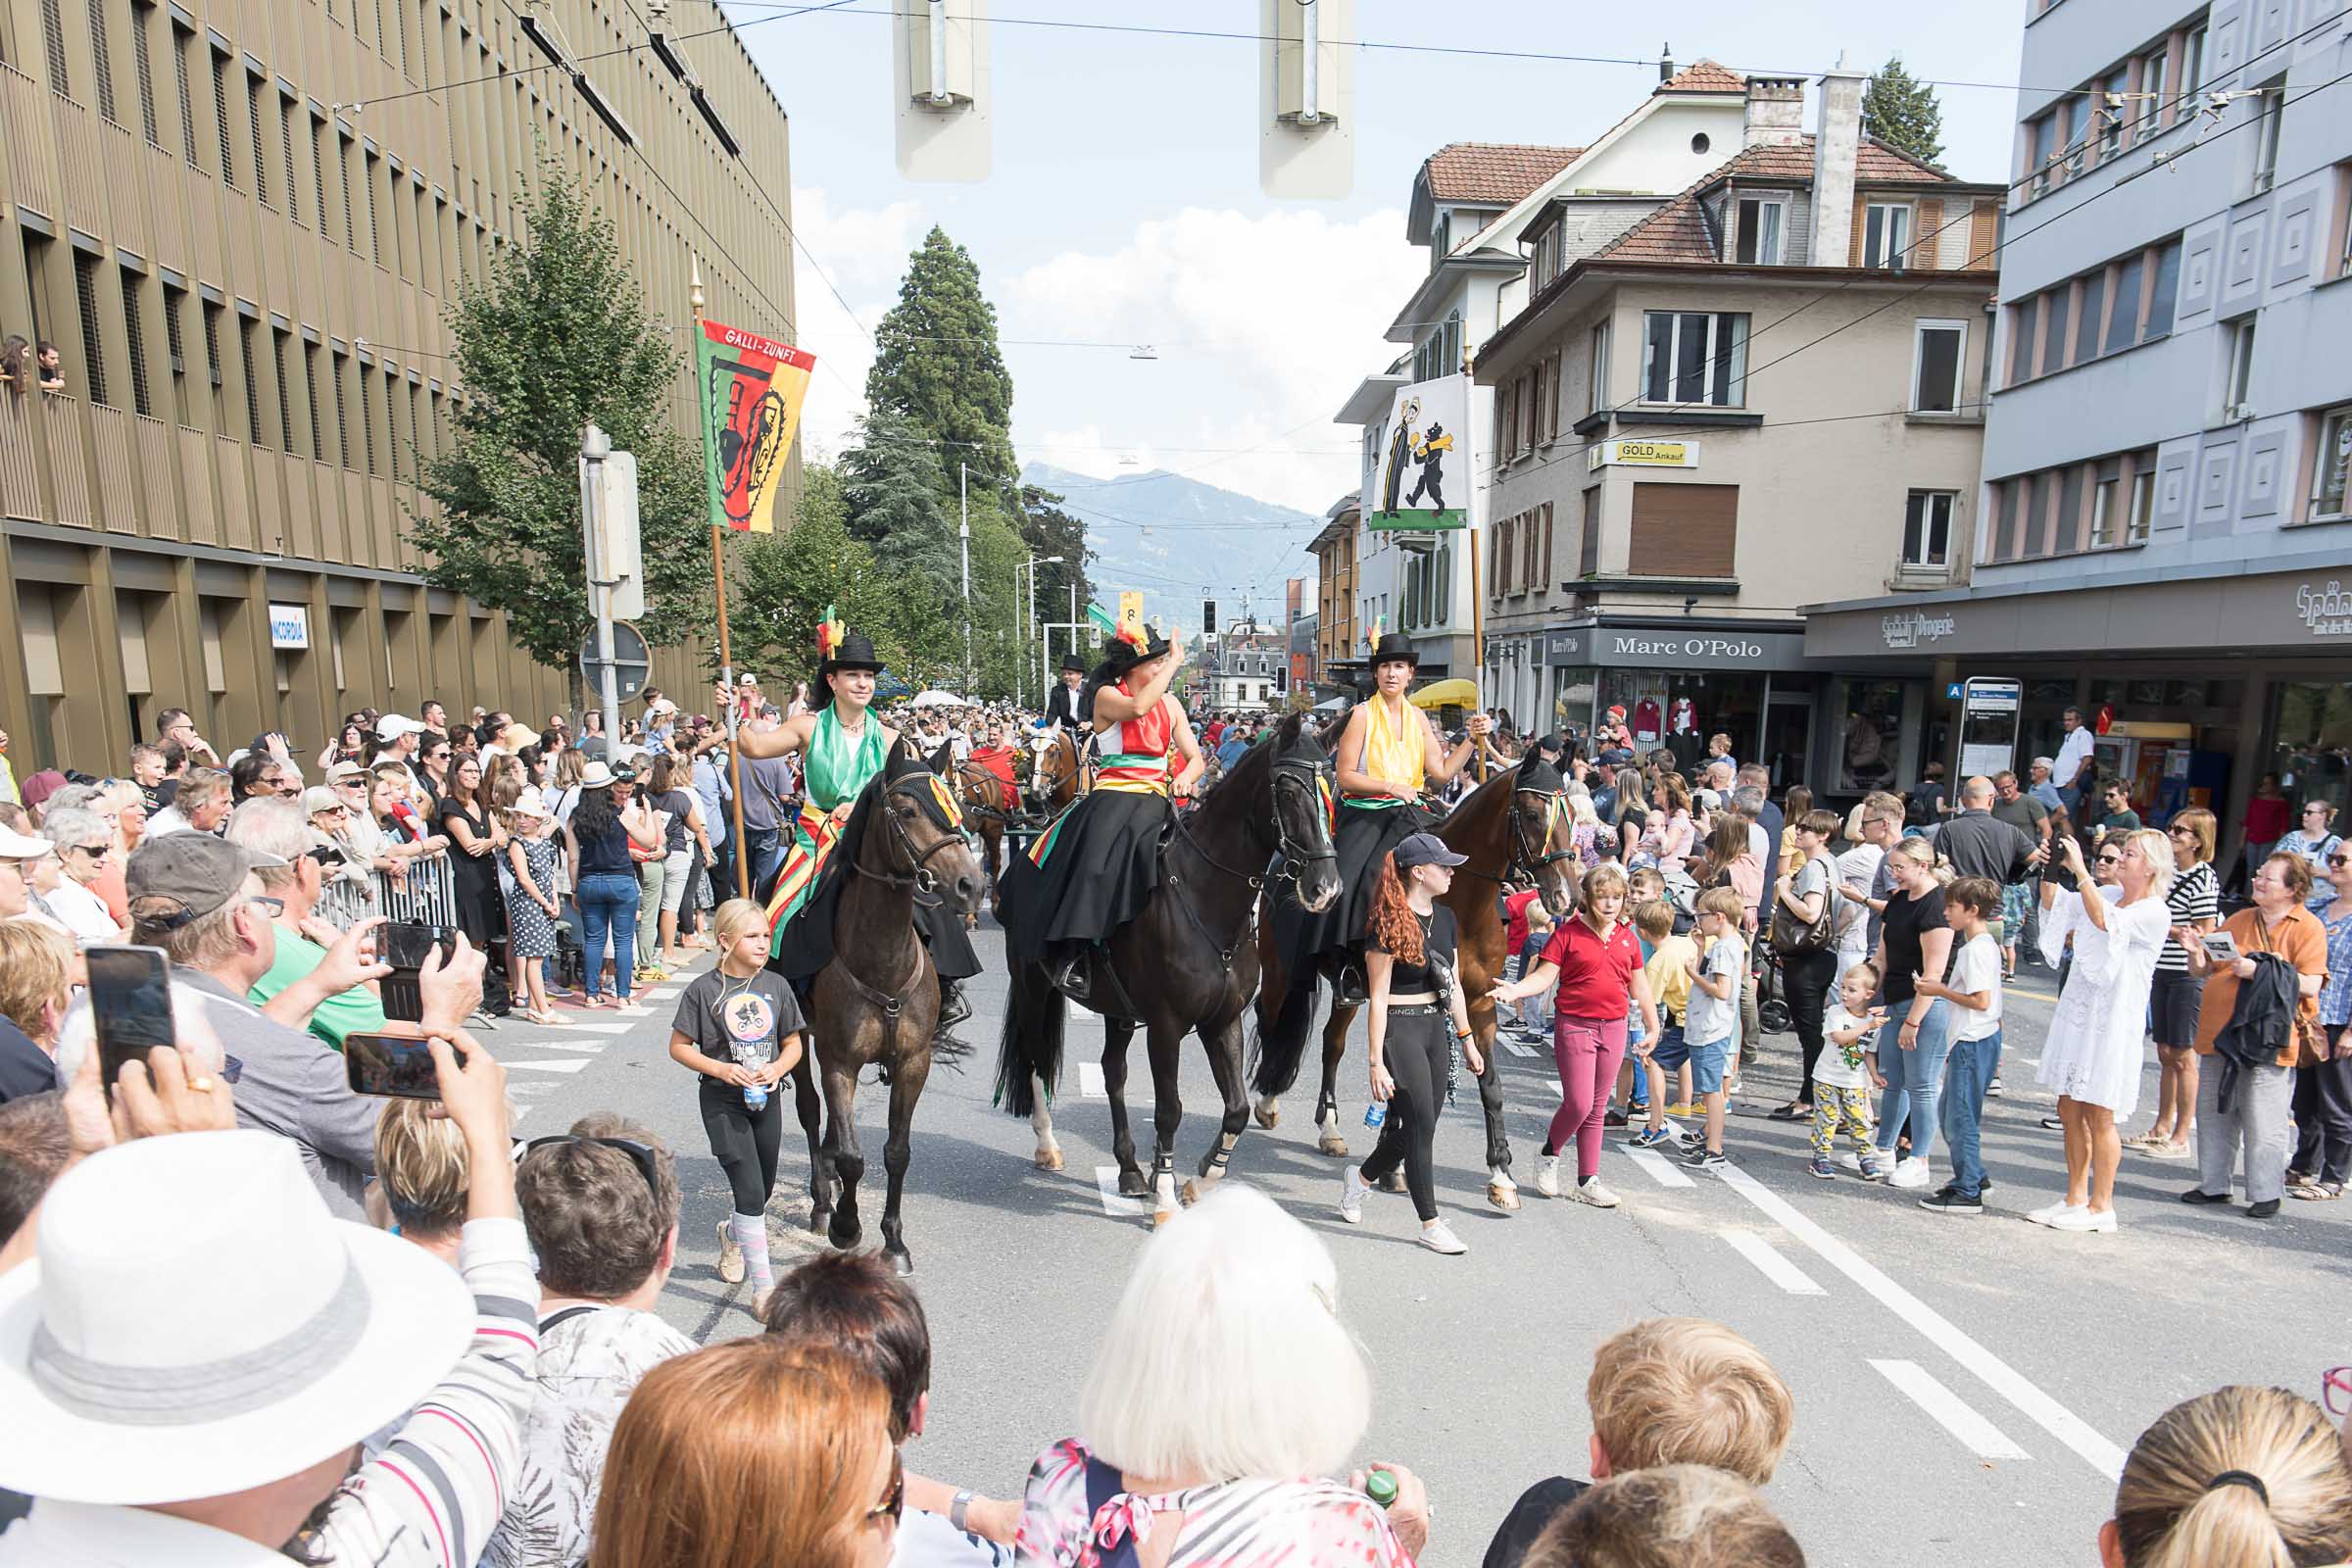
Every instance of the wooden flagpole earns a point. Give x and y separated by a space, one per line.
726 652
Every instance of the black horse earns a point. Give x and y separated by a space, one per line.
876 1001
1185 963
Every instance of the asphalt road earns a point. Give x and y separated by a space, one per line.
1965 1388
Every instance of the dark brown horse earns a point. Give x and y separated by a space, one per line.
1515 828
1185 964
877 1000
989 806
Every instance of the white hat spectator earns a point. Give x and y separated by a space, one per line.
531 804
596 776
16 846
289 1338
345 773
2045 762
393 726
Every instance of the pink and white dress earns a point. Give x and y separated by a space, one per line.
1305 1523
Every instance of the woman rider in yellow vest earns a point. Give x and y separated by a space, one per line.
1387 755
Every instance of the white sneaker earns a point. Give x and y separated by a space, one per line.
2049 1213
730 1256
1354 1190
1591 1191
2082 1219
1438 1238
1548 1175
1909 1173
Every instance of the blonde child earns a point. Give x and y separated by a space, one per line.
739 1028
1973 987
1711 1023
1669 971
1846 1073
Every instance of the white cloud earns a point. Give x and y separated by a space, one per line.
1262 323
864 250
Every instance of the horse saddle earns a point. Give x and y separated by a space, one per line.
1088 977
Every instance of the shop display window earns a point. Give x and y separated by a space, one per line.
2311 732
1869 716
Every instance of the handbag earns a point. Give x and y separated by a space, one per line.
2310 1040
1790 935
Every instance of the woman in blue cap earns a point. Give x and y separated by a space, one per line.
1418 1011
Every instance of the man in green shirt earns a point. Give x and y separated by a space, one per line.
282 832
2120 817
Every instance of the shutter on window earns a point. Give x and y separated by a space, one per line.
1543 578
1685 530
1927 247
1980 236
1861 216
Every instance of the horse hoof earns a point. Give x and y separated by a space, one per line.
845 1238
821 1221
1331 1144
1268 1113
901 1260
1392 1182
1049 1159
1133 1184
1503 1197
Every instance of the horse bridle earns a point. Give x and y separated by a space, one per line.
1521 859
919 879
1304 774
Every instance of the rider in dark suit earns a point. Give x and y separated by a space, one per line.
1062 702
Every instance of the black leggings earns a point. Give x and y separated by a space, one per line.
1806 977
1417 1057
744 1141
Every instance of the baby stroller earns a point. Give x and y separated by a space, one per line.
1772 1002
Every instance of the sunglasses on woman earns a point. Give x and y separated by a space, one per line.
2108 859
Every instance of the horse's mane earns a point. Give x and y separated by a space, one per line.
1503 782
902 759
1257 759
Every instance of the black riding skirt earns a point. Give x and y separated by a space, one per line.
1364 838
1101 864
806 943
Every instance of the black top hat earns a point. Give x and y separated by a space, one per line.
1396 644
856 652
1123 656
1074 663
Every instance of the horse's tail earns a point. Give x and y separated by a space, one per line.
1284 1024
1029 1051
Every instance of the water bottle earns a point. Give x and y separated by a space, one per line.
755 1098
1376 1113
1381 1486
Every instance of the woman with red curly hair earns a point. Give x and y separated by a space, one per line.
1410 970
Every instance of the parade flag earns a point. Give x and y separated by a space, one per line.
1100 619
751 389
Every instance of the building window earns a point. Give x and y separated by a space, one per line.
2149 110
1596 390
175 345
53 39
351 232
2114 106
1588 544
2055 305
102 63
2237 401
367 420
141 398
2094 309
250 362
342 421
181 43
2123 311
1937 351
1928 529
2333 465
1685 530
309 401
212 345
285 138
2038 154
1695 356
2272 108
1759 242
2192 63
228 158
2161 289
2143 499
143 68
285 390
2106 515
2023 317
261 160
94 357
1886 234
375 228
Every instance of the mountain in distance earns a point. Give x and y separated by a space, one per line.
1178 541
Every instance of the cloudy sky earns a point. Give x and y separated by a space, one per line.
1124 207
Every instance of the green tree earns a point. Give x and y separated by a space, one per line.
1901 111
559 335
937 365
890 481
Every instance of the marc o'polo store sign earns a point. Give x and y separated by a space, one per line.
1656 649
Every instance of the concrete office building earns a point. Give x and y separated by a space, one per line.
242 222
2162 531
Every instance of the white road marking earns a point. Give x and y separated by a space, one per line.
1513 1045
596 1026
2005 1380
1107 1182
571 1065
663 995
1951 1412
520 1112
1090 1081
1661 1171
1776 1268
588 1046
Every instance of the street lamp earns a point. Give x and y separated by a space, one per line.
1044 679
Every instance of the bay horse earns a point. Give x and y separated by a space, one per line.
876 1001
1514 827
990 805
1185 963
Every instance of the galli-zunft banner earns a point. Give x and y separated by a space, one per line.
751 388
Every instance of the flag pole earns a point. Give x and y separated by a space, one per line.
726 652
1478 599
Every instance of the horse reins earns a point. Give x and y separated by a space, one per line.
919 880
1291 858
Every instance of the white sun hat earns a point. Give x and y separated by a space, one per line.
246 1335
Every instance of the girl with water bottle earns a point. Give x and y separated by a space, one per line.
739 1028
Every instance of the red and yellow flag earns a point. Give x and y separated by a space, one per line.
751 389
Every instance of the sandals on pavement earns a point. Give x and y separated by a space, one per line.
1794 1111
2317 1192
